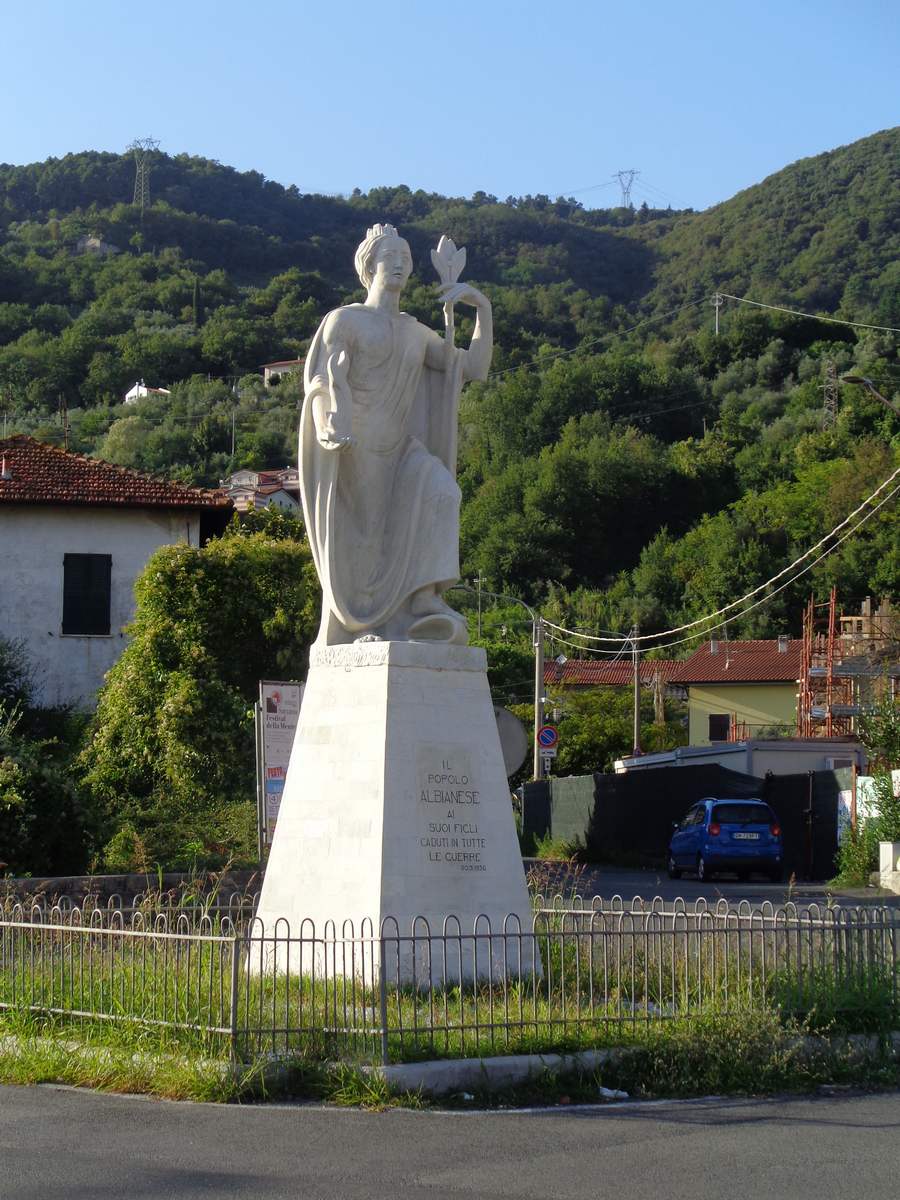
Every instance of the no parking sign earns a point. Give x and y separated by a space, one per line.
548 739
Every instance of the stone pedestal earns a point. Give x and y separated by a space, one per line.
396 807
889 866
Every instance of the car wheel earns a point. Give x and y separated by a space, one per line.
702 869
674 872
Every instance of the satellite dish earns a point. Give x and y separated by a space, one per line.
513 739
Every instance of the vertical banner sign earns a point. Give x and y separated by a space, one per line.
277 715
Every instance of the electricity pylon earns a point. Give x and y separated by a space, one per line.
142 149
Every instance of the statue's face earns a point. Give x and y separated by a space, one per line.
392 265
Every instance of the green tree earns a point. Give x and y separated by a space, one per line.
169 757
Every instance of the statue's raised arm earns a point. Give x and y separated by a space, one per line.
378 452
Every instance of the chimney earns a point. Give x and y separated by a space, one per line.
783 643
4 473
713 646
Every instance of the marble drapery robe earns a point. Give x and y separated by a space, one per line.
382 514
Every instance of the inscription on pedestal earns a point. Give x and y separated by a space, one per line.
449 810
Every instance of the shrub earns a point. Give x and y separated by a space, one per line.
170 753
45 828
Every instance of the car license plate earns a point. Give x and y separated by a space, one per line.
748 837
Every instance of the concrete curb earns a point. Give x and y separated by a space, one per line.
440 1077
443 1077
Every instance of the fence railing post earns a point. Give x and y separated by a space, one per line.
233 993
382 1002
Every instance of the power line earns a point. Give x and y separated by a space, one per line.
537 362
749 595
809 566
811 316
627 639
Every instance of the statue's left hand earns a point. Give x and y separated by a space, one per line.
462 293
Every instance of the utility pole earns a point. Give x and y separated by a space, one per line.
718 301
831 395
659 699
636 662
538 694
64 419
478 582
233 412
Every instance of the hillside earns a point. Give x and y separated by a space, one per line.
649 474
823 234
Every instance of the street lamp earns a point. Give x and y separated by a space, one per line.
867 383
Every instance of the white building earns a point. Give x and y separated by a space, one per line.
264 489
140 391
74 535
274 371
756 756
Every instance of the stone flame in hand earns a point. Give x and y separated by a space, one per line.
448 261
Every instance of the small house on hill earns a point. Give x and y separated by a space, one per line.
741 689
273 372
264 489
75 533
140 391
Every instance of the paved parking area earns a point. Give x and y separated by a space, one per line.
599 880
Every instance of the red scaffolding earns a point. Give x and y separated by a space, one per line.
826 702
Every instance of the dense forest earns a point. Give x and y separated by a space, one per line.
623 462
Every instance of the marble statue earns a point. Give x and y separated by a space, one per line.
378 451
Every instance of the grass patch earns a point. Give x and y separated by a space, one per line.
115 1058
755 1053
558 849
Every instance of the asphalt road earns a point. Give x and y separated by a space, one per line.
61 1142
606 881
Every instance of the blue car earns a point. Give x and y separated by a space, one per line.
727 835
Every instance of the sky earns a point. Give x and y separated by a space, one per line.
702 98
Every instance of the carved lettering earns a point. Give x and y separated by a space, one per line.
449 842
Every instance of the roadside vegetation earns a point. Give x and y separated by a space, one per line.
753 1053
879 731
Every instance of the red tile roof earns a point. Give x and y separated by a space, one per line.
42 474
589 672
743 662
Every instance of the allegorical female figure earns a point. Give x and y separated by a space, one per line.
378 455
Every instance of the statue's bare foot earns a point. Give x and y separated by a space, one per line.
440 627
434 620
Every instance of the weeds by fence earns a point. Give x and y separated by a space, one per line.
585 973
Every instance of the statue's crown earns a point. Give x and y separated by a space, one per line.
377 231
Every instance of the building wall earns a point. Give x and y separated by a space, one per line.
789 757
758 704
33 539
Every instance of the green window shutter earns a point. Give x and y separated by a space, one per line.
86 593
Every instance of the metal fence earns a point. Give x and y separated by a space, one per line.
578 972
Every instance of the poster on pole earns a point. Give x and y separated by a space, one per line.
277 715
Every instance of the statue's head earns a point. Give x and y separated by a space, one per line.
383 245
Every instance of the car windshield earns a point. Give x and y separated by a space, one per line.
743 814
